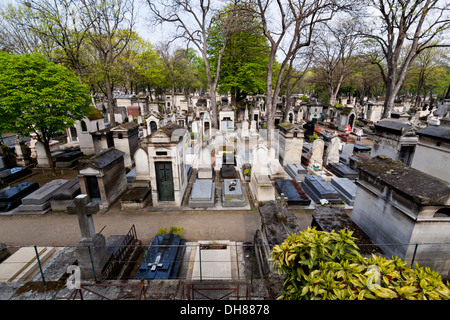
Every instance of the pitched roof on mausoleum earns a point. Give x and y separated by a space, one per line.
442 133
420 187
104 158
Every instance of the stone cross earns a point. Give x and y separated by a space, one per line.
84 210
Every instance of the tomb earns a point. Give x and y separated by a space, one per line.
232 193
13 174
22 153
328 219
395 139
103 177
202 194
38 202
68 159
346 188
318 188
226 120
12 197
166 150
163 258
293 192
342 171
360 148
65 195
261 185
126 140
290 143
205 164
215 260
296 171
23 263
398 206
432 155
277 224
135 198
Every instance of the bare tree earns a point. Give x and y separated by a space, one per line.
193 21
407 28
59 21
110 28
333 55
297 21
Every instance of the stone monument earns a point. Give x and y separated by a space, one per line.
91 251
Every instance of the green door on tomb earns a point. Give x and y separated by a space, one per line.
164 181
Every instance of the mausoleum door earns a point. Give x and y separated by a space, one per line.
93 188
164 180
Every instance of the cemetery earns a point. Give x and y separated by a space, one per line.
173 160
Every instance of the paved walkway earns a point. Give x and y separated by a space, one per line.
60 229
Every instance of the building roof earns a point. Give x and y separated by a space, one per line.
105 158
393 125
95 114
416 185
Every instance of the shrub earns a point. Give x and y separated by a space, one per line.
327 265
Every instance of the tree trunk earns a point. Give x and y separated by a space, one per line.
109 94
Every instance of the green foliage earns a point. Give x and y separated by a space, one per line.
38 96
173 230
322 265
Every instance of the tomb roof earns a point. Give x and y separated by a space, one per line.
394 126
104 158
435 132
95 114
411 183
126 126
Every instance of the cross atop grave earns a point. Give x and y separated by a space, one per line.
156 264
84 210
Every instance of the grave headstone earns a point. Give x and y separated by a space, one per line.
142 165
332 153
244 131
232 193
135 198
202 194
318 188
12 197
316 159
346 188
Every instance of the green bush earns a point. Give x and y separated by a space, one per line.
327 265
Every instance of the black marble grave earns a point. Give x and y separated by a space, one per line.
13 174
12 198
292 191
342 171
163 258
228 171
318 188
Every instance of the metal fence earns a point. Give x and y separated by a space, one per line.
199 261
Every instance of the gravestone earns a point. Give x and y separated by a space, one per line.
343 171
332 153
232 193
91 251
316 159
38 202
347 152
68 159
244 131
318 188
22 153
203 194
2 163
346 188
163 258
135 198
13 174
205 170
12 197
65 195
296 171
253 129
293 192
